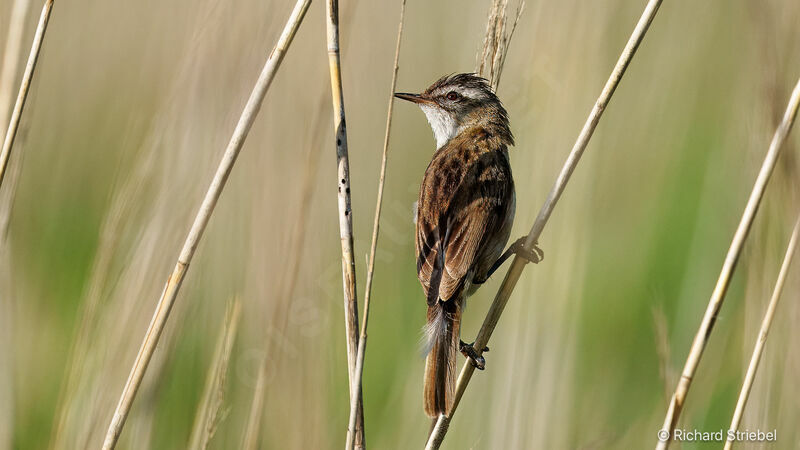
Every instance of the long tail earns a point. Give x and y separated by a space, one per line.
442 333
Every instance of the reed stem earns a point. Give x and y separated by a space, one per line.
345 210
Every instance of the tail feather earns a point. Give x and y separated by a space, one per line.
442 333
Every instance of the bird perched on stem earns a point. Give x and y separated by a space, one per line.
464 216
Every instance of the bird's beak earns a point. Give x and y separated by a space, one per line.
414 98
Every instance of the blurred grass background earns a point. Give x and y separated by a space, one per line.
133 103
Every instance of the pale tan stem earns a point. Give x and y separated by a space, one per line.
735 250
362 342
758 350
345 210
518 264
208 412
172 287
24 87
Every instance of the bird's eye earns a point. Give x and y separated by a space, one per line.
453 96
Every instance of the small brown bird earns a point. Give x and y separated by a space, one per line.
464 217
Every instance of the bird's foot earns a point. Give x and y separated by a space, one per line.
468 350
534 255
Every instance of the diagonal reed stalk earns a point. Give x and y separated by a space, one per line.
731 259
518 264
209 411
755 359
362 342
173 284
24 87
345 212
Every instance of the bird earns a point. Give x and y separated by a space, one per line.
464 214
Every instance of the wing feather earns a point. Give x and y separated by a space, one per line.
454 219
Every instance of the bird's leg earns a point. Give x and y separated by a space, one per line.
534 255
469 351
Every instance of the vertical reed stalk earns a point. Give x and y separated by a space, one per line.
518 264
24 87
345 211
755 359
362 342
209 410
731 259
173 284
496 41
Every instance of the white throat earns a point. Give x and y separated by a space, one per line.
443 124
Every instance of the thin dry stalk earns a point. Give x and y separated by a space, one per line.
362 342
345 211
758 350
173 284
518 264
209 413
496 41
24 87
718 296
